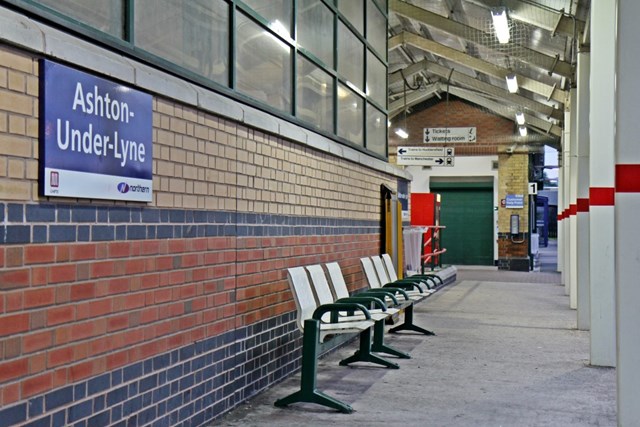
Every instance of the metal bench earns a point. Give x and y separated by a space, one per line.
318 332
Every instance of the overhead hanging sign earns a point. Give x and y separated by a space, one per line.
426 151
96 137
449 135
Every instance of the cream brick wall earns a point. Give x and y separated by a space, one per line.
18 125
513 178
200 160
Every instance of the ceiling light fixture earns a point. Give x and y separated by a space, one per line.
523 130
520 118
501 25
512 82
402 133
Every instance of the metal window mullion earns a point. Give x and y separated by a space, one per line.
129 21
294 60
233 40
335 66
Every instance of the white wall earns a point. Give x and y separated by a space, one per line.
465 169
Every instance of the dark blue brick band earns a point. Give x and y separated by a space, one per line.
51 223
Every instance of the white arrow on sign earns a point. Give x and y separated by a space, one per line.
426 151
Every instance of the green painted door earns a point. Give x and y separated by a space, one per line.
467 212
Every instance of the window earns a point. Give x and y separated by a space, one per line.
350 56
276 12
263 64
315 95
192 34
104 15
353 11
376 130
376 29
315 30
376 80
350 115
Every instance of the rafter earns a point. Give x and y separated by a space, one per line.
465 80
413 98
505 111
550 92
548 63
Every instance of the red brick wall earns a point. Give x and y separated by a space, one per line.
492 130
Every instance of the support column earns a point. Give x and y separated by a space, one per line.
582 216
560 213
566 197
572 203
602 193
627 206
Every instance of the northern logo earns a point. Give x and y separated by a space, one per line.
123 187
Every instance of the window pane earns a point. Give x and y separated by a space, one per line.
350 114
263 64
315 95
377 29
350 56
382 4
191 34
353 10
104 15
315 30
376 131
276 12
376 80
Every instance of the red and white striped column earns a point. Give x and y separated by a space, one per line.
601 192
627 211
582 201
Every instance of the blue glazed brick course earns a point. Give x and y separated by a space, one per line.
51 223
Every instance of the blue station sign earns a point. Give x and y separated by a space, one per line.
96 137
514 201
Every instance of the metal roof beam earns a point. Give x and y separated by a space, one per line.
505 111
463 79
551 20
550 92
414 97
548 63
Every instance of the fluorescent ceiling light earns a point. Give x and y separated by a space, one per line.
512 83
520 118
501 25
402 133
523 130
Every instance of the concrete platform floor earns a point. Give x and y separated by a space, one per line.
507 353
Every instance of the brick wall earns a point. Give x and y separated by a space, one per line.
493 132
174 311
513 179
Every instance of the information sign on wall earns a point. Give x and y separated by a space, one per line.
514 201
403 197
96 137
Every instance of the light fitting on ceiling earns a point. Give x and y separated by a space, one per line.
520 118
501 25
512 82
523 130
402 133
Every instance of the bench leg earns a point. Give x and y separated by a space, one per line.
364 353
408 325
380 347
308 379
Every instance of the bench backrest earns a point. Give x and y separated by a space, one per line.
380 270
391 270
319 280
337 280
321 286
302 294
370 273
